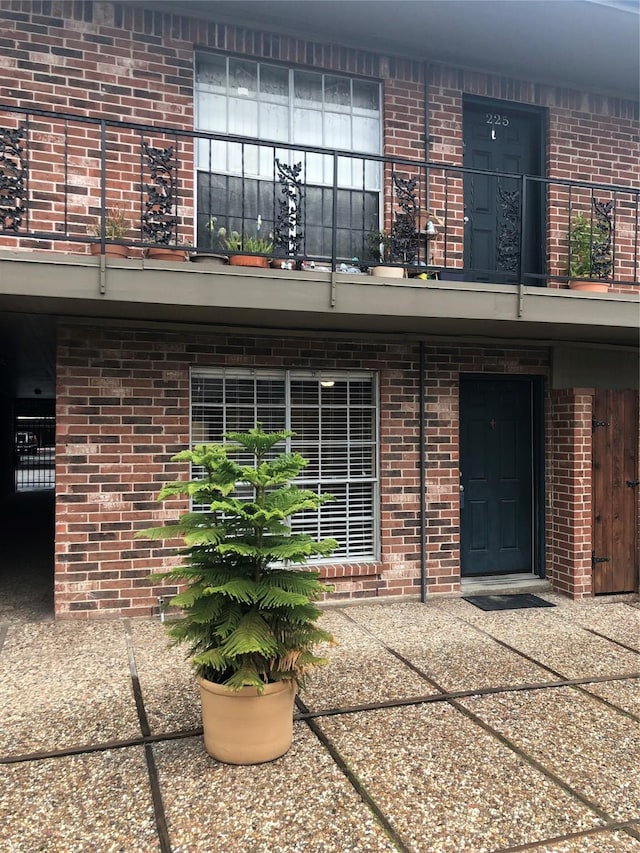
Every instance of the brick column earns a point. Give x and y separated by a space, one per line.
570 493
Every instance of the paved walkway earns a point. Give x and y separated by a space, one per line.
437 727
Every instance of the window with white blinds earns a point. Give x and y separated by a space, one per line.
334 417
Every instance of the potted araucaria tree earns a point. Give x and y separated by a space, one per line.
248 612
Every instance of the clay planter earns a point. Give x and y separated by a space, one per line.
388 272
249 261
160 253
209 259
111 250
593 286
242 727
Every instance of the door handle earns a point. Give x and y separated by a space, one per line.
633 483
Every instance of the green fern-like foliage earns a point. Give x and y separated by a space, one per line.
248 614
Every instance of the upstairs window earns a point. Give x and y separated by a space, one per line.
268 103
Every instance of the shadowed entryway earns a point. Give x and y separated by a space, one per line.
26 557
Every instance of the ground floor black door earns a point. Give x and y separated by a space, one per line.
496 476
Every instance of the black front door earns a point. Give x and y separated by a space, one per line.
500 137
496 476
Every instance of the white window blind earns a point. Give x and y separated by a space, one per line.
334 416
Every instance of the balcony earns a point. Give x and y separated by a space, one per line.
468 251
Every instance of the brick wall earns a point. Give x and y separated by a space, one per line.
115 61
122 412
570 520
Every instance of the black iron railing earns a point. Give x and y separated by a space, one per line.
67 180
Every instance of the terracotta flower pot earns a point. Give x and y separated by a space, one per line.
242 727
594 286
112 250
249 261
161 253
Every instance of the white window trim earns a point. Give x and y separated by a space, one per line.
321 375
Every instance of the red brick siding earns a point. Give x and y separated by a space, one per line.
589 138
570 521
122 411
117 61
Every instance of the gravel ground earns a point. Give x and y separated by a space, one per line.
624 693
99 803
170 694
442 781
300 803
441 777
597 753
64 684
559 642
602 842
381 676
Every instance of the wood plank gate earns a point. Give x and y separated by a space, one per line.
615 491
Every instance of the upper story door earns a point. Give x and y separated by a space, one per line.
503 140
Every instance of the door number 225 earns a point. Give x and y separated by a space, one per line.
496 118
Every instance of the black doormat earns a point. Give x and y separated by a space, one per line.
507 602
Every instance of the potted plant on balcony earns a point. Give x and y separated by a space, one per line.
213 255
583 239
177 252
248 613
380 248
116 227
249 250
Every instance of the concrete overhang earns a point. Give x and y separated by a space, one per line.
73 285
588 44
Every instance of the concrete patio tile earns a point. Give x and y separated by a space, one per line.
591 747
601 842
97 802
447 785
624 693
559 643
446 649
169 690
361 671
613 619
64 684
301 803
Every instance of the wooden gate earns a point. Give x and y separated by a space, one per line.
615 491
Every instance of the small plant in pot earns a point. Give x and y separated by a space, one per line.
380 248
249 250
584 239
249 616
116 227
214 251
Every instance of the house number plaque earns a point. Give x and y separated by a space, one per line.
496 118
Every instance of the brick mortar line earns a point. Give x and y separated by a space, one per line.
152 769
529 759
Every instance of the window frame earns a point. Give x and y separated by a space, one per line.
287 375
